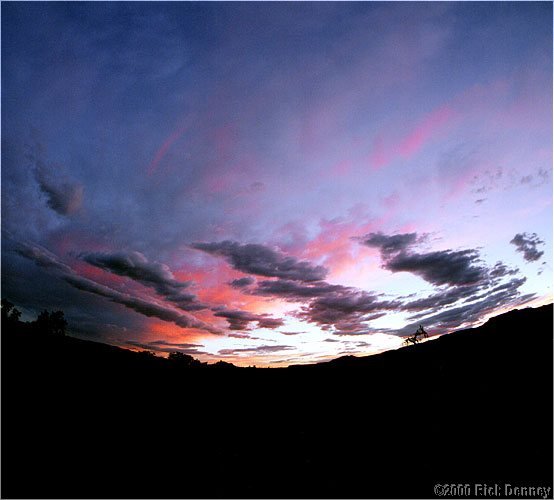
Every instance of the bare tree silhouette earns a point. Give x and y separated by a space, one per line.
414 339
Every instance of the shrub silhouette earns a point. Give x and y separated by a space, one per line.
184 360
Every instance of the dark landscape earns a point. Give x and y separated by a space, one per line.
88 420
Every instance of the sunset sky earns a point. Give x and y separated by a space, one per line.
275 183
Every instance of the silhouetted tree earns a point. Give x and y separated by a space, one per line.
10 315
58 324
51 323
414 339
184 360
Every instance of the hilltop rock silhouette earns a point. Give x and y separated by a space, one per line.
82 419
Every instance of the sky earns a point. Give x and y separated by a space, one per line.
275 183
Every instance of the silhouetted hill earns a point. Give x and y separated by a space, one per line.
499 334
81 419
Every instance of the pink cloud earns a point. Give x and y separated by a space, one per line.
427 130
164 148
342 168
424 131
378 158
334 247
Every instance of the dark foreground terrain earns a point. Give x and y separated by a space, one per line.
89 420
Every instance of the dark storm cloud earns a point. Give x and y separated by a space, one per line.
155 275
239 320
527 244
263 261
390 244
242 282
46 259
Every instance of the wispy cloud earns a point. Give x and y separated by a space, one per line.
46 259
155 275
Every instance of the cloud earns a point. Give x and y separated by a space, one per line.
65 198
500 270
294 291
526 179
242 282
154 275
489 284
142 306
527 244
63 195
183 345
162 346
46 259
445 267
239 320
541 177
263 261
347 312
506 296
461 276
390 244
442 298
41 257
262 349
345 309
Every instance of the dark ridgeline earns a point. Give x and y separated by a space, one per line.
81 419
